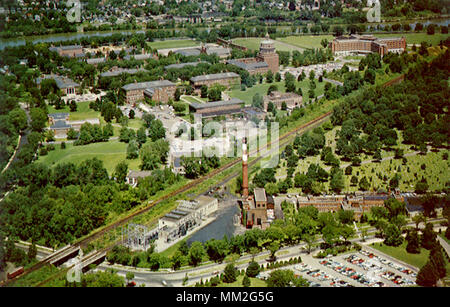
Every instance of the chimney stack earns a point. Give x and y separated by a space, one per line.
244 169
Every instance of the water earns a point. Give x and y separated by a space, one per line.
61 37
222 225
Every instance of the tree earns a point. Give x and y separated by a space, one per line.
427 276
38 119
18 118
273 248
428 237
246 281
177 94
131 114
252 269
204 91
364 184
393 236
417 219
230 273
345 216
196 253
32 252
413 246
129 276
121 171
132 149
141 136
280 278
73 106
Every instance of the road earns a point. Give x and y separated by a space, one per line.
175 278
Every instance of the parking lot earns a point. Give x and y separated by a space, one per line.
356 269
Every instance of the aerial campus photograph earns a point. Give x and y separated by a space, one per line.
224 144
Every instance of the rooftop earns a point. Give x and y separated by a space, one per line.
199 106
219 76
117 72
181 65
146 85
260 194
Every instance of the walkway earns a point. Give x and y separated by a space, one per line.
444 245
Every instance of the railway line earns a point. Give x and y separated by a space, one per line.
85 241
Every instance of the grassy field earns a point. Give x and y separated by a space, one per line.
195 99
254 282
313 41
255 42
436 169
111 153
248 94
417 38
307 41
83 111
173 44
400 253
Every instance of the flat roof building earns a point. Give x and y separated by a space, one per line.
217 108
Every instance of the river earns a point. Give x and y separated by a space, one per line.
61 37
222 225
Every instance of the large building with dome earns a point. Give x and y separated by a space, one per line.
267 59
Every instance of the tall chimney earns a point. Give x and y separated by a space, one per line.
244 169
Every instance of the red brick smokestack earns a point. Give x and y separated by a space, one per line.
244 169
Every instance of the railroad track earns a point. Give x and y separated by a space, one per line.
85 241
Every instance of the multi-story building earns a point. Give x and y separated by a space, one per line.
367 44
73 51
267 59
160 91
227 79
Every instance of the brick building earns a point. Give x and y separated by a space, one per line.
227 79
160 91
292 100
267 59
217 108
367 44
72 51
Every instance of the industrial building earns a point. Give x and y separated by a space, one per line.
187 216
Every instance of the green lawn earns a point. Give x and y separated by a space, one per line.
400 253
313 41
254 282
192 99
255 42
417 38
307 41
248 94
173 44
83 111
111 153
